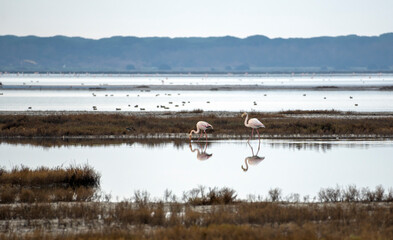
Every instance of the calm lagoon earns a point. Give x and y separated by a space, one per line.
295 166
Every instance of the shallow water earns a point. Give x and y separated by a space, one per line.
273 100
295 166
181 100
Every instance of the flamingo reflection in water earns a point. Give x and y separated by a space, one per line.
254 159
201 152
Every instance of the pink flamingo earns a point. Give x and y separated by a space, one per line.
201 125
254 124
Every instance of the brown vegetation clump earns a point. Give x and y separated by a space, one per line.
214 196
72 176
25 185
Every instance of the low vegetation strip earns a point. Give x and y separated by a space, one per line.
277 124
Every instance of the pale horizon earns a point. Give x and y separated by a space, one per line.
196 36
96 19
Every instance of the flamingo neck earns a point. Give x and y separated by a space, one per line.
193 131
245 121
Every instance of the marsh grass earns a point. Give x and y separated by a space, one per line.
214 196
72 176
261 220
74 183
142 218
117 124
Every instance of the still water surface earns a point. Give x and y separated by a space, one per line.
295 166
232 99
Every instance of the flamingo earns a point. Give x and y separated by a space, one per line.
254 124
201 125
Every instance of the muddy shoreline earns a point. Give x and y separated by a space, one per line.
228 87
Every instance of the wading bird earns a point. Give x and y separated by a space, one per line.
254 124
201 125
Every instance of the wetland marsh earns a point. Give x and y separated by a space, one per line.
323 161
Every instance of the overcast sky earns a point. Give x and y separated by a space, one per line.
184 18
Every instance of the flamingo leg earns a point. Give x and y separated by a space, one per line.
200 136
206 136
252 134
259 136
259 143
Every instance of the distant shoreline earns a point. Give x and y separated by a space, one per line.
228 87
283 72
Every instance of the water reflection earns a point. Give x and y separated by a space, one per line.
320 145
285 144
254 159
123 166
202 155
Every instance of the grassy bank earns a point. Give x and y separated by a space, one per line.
285 123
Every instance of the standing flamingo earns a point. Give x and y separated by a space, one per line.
201 125
254 124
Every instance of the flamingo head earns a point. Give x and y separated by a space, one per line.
190 136
244 114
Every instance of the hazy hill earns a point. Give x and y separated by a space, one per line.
224 54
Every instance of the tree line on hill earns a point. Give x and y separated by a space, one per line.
195 54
